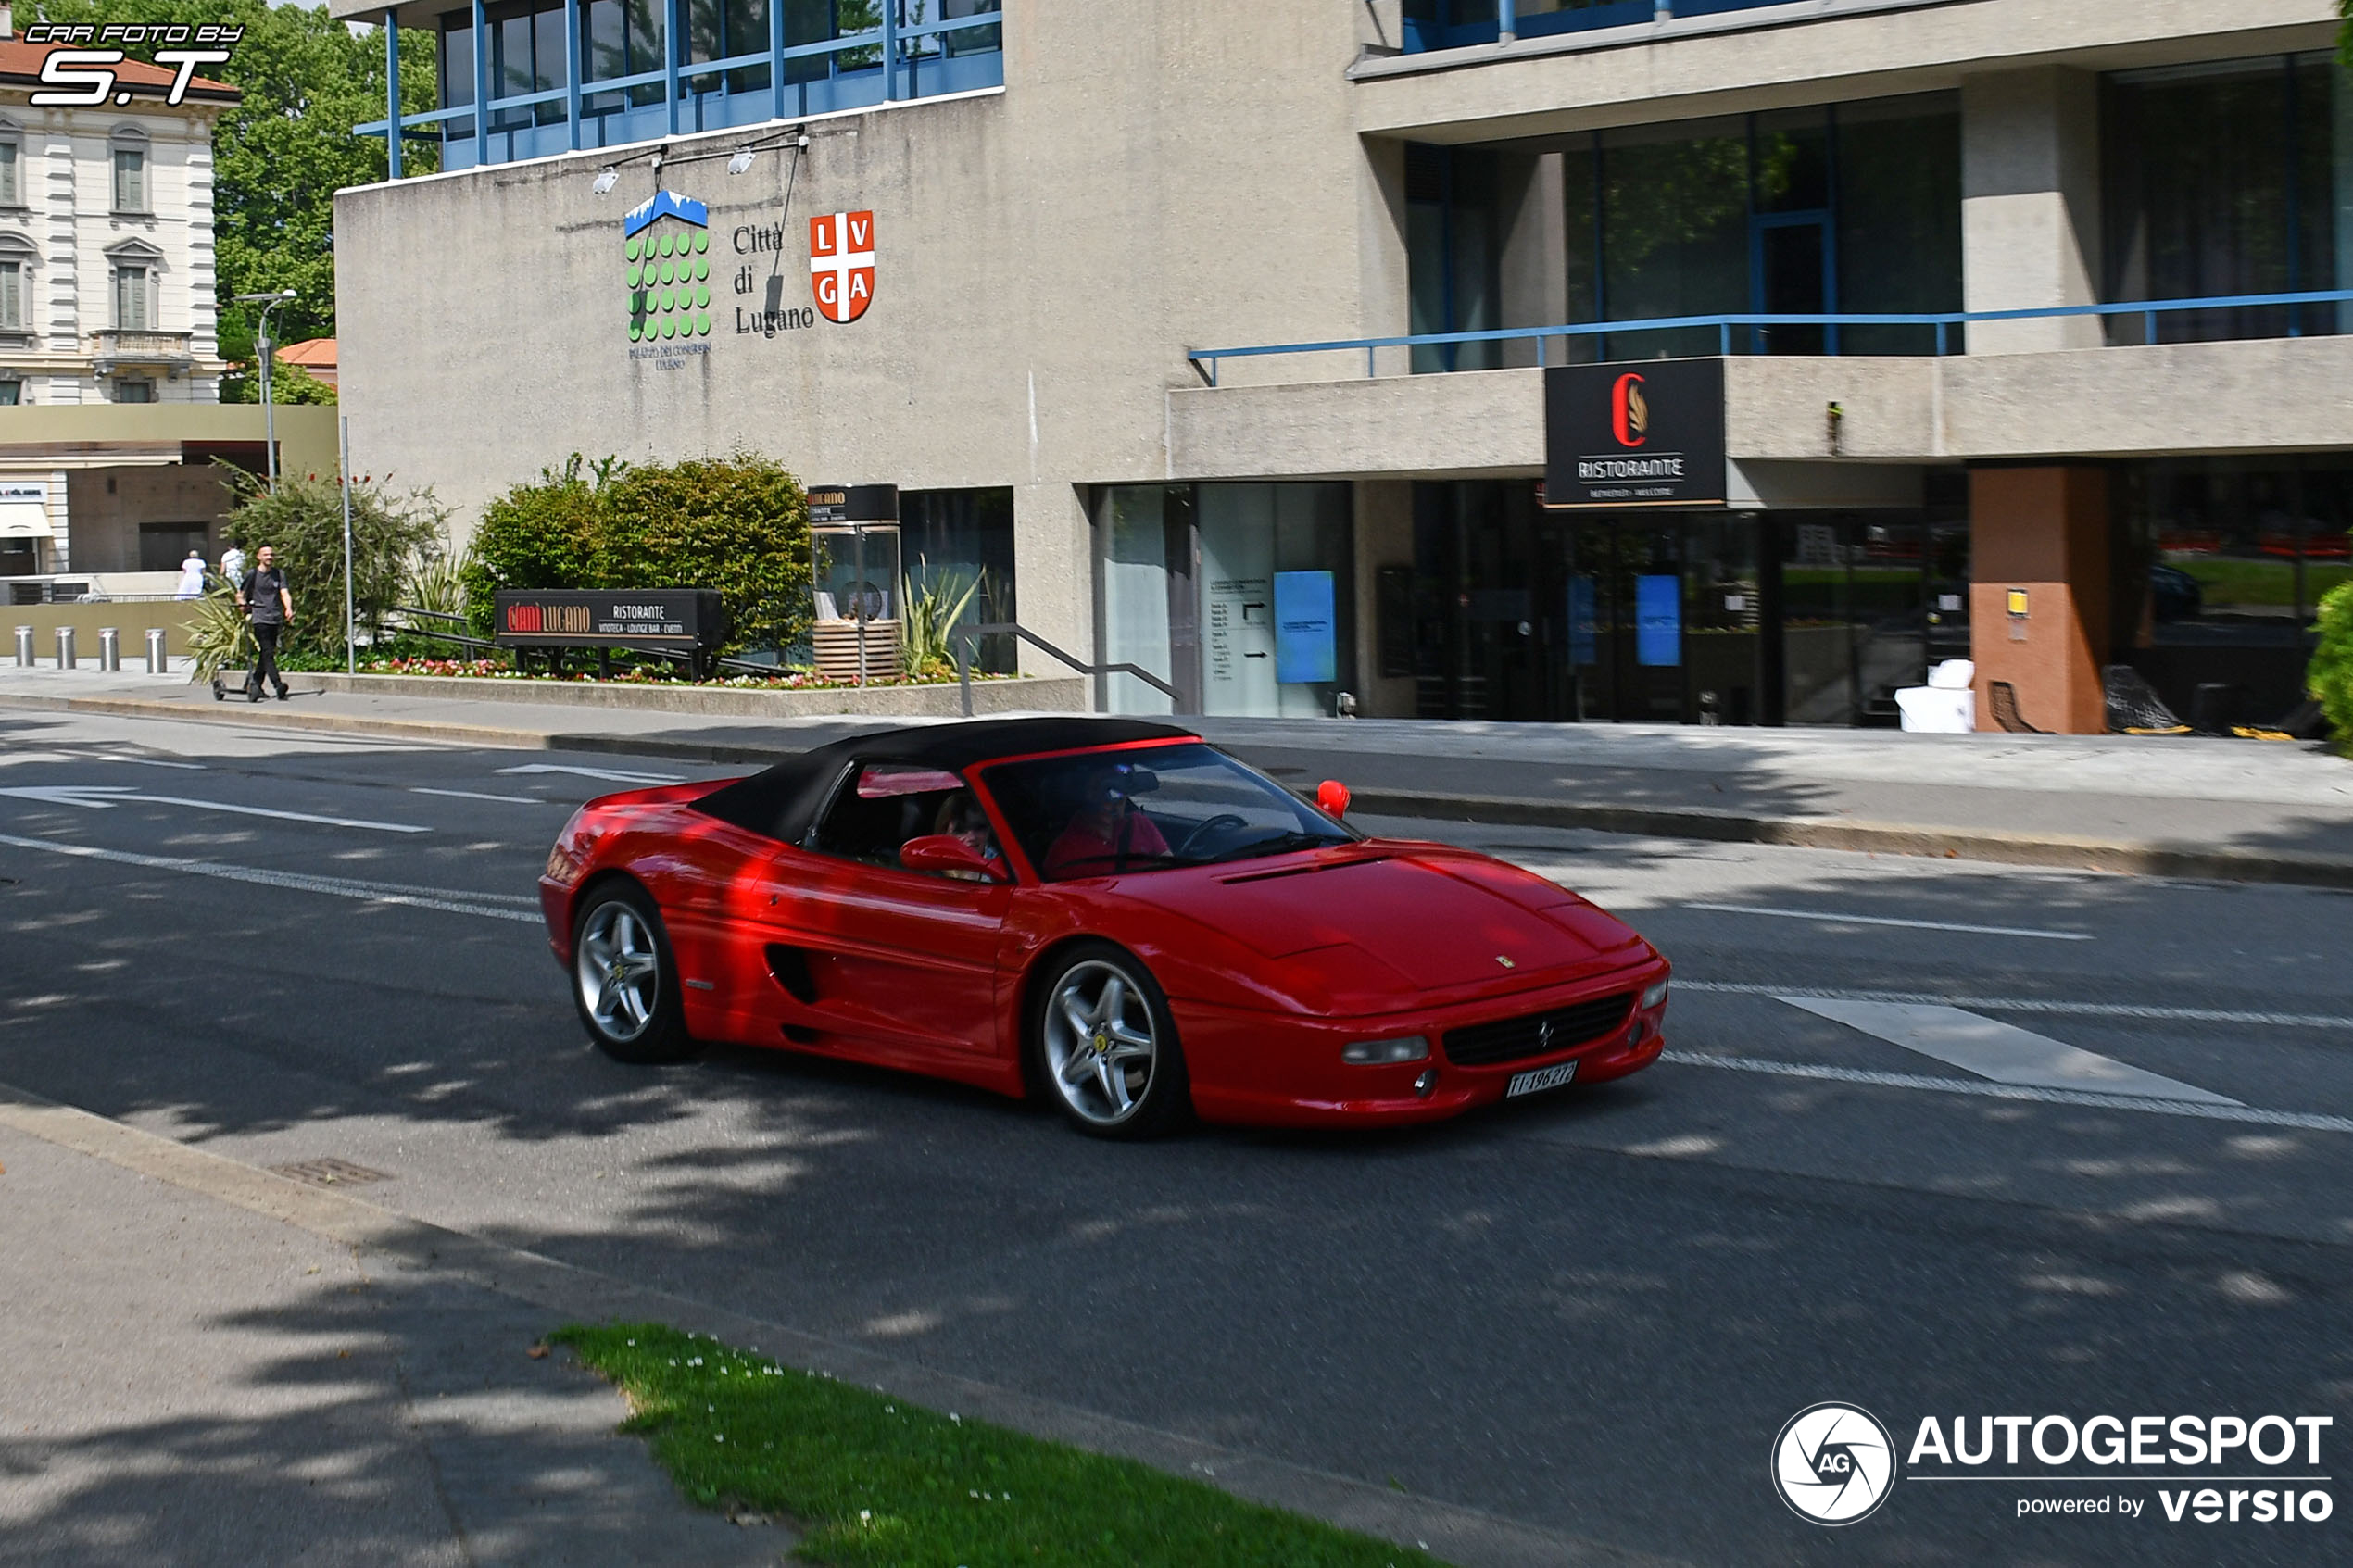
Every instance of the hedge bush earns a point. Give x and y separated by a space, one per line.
2331 676
739 524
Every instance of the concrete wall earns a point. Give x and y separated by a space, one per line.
1789 55
1044 254
2266 395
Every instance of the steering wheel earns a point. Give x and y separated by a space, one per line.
1219 823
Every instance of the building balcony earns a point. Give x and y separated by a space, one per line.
127 348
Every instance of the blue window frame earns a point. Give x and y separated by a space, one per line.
1460 24
737 62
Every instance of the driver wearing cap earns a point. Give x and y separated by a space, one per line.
1109 829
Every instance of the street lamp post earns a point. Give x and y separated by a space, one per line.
266 351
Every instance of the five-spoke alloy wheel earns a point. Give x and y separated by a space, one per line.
625 979
1105 1046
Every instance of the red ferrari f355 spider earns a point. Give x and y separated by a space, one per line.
1109 912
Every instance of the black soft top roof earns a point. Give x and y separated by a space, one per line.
781 801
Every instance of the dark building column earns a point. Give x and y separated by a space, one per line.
2042 531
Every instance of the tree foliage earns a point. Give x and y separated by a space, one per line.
303 522
288 384
739 524
280 154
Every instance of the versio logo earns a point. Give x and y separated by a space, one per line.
1834 1464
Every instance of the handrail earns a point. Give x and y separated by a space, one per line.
964 635
1942 320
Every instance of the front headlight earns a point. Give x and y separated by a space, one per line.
1385 1053
1655 996
563 866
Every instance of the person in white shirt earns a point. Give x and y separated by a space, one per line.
232 565
191 583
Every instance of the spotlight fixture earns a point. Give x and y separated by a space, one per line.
740 162
606 181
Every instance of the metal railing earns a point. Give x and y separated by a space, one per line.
1204 360
964 636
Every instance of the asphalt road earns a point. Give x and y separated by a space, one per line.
1591 1313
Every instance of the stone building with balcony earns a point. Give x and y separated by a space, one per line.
1226 328
106 323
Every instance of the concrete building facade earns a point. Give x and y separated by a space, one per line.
1393 218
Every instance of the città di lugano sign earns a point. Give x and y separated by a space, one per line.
670 247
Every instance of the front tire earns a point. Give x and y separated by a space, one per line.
625 980
1104 1047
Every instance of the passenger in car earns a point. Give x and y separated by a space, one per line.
1109 830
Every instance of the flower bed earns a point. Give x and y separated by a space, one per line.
787 681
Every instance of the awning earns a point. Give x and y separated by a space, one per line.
25 520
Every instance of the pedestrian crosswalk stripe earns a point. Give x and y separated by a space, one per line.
2001 1051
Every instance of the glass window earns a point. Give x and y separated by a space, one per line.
11 394
1136 593
960 542
2224 180
130 180
887 803
130 312
1453 282
1899 220
456 64
648 24
1146 809
134 391
12 294
745 24
971 40
11 192
1674 230
549 60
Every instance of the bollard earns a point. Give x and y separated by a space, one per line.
158 662
24 648
110 649
65 647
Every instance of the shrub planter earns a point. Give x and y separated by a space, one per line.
1055 693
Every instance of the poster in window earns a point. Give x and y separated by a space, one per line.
1658 620
1306 645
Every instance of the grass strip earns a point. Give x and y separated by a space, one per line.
875 1481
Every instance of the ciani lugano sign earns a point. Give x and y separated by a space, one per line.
1645 433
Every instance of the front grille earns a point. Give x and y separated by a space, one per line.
1538 1033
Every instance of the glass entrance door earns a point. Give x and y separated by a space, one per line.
1625 618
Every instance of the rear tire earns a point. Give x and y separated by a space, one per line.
1104 1046
625 980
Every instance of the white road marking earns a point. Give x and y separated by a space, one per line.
2033 1004
102 797
608 774
477 794
2227 1112
2003 1052
1887 919
451 902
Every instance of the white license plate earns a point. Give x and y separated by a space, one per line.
1542 1078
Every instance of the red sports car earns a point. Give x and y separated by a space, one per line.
1110 912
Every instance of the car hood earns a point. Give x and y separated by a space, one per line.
1439 918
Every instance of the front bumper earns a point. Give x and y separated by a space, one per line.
1285 1069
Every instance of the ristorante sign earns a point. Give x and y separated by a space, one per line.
1650 434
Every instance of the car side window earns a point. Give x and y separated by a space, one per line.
883 805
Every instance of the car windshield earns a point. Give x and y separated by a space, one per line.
1150 808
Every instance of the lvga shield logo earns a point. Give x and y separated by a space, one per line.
1630 413
666 244
841 263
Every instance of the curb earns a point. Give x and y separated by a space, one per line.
2136 858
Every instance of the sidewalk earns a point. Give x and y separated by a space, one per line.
2181 806
187 1380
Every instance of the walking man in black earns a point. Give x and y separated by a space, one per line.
264 598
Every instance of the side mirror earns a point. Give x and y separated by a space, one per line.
1332 796
945 854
